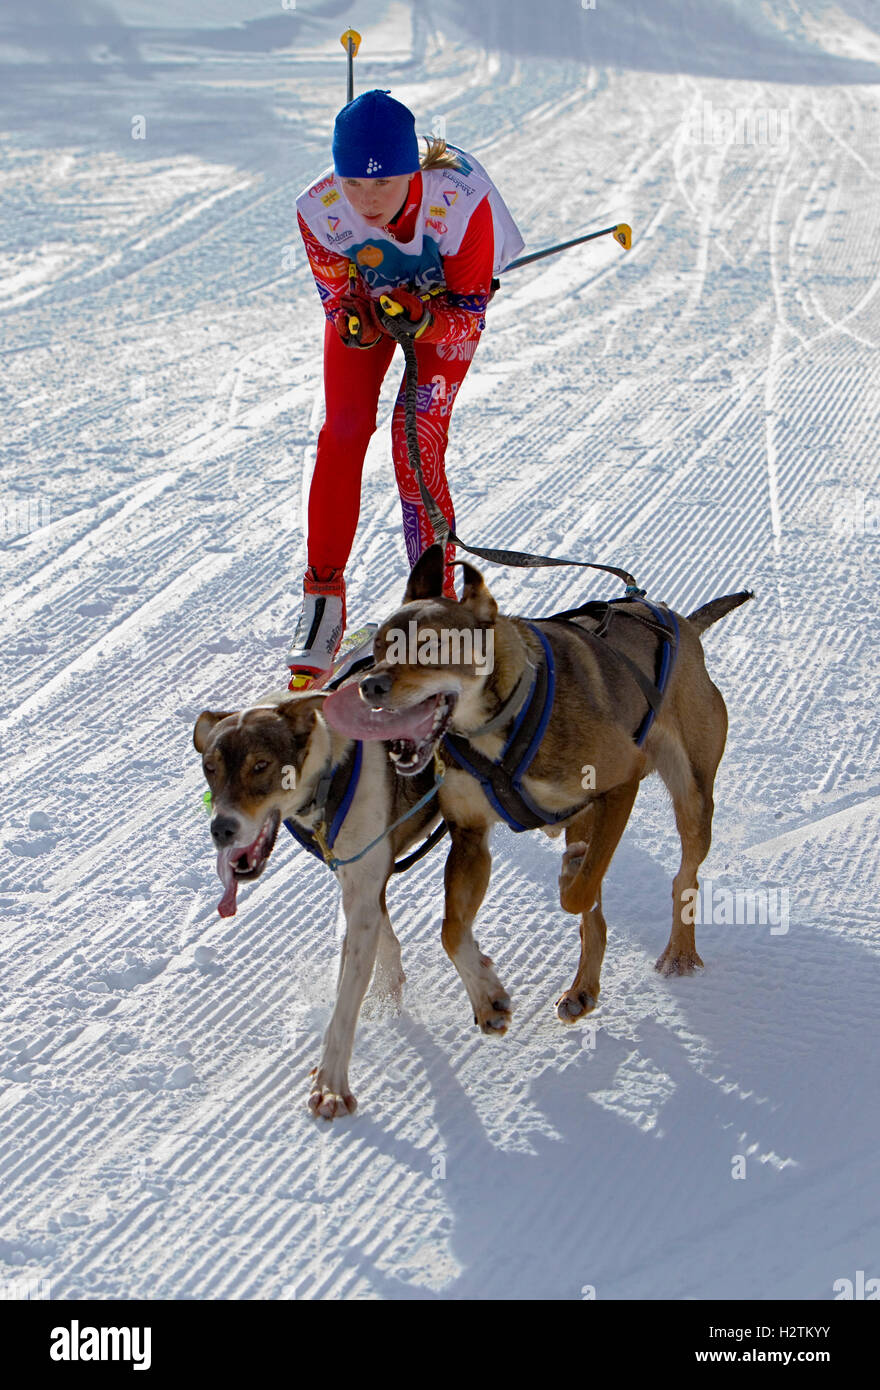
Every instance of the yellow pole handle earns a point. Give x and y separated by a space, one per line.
354 323
355 41
391 306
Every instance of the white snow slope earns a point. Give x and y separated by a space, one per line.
703 410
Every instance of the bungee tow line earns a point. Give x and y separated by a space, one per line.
443 532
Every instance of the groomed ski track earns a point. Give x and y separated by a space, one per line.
703 410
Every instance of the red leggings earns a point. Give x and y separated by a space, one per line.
352 381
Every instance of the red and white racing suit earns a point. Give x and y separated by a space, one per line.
353 376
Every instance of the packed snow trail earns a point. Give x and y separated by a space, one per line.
702 410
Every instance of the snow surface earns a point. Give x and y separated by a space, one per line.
703 410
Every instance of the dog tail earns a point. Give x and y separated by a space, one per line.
718 608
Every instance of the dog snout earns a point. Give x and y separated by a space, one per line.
376 687
223 830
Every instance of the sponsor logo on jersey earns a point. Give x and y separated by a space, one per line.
436 224
370 255
332 222
318 188
340 237
329 198
437 212
459 183
449 197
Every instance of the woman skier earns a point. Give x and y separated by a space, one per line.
430 232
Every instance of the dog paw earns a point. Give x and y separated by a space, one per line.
330 1103
678 962
575 1004
494 1016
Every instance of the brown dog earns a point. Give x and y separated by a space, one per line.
433 675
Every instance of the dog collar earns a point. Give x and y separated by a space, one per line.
512 705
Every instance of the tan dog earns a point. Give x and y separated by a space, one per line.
428 677
281 762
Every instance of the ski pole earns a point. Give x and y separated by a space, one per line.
351 42
354 323
621 232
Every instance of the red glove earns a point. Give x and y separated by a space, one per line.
355 321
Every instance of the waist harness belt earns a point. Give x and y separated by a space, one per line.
501 778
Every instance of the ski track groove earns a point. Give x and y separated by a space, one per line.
622 421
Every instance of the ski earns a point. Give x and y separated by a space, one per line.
358 647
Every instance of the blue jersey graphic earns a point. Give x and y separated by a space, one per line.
385 263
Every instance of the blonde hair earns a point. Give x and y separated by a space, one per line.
437 155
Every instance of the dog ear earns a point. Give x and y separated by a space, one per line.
301 717
300 714
204 724
476 596
426 576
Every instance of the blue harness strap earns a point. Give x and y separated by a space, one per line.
668 653
337 795
344 780
501 778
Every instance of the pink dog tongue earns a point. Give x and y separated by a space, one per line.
226 905
346 712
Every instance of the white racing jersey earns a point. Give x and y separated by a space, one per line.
448 198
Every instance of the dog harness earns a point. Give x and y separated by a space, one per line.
666 631
332 800
501 778
529 705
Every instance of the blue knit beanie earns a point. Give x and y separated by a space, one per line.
375 138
